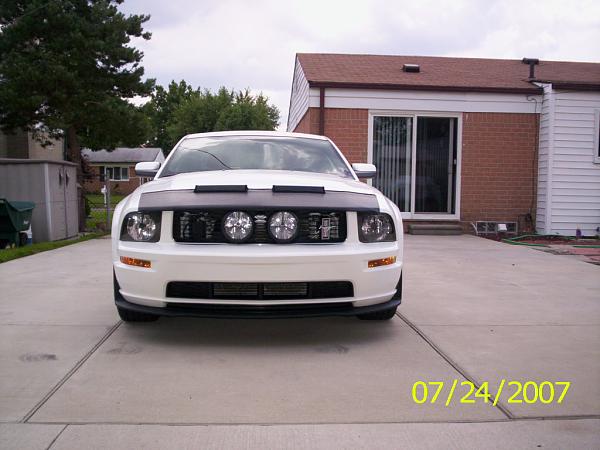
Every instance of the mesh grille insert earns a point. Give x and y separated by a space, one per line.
260 291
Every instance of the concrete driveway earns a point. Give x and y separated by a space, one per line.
73 375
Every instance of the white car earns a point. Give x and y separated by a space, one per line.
256 224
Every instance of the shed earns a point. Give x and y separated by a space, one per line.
52 186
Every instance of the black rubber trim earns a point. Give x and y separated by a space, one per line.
258 312
257 199
305 189
221 188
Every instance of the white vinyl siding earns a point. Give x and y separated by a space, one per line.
568 174
298 99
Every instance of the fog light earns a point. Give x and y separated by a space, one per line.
136 262
382 262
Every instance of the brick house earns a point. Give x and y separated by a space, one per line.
456 140
117 166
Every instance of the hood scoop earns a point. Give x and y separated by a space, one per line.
299 189
221 188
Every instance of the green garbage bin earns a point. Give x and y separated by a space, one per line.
15 219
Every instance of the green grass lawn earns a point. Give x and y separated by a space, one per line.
97 221
19 252
98 199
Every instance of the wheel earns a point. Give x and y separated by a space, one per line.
22 239
127 315
386 314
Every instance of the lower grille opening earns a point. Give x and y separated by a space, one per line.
260 291
263 311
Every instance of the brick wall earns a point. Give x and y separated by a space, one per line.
498 158
304 126
499 166
348 128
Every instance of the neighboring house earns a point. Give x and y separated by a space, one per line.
117 166
22 145
456 140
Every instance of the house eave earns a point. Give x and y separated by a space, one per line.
411 87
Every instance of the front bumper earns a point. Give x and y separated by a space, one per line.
257 263
258 312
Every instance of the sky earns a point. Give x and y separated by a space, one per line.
251 44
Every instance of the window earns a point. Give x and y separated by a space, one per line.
116 173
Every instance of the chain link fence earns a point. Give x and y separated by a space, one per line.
100 202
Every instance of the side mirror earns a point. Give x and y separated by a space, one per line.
364 170
147 169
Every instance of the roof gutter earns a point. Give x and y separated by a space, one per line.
572 85
411 87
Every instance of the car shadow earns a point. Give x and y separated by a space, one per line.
327 335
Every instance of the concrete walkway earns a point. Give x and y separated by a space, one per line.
73 375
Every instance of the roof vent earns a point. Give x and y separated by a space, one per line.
412 68
532 63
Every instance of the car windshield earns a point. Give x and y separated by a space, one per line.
256 152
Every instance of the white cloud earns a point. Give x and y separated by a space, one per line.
241 44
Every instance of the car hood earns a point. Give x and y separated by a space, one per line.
257 179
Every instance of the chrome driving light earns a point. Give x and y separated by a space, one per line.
376 228
141 227
283 226
237 226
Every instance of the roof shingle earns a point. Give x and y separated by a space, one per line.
441 73
121 155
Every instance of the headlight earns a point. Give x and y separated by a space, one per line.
141 227
283 226
376 228
237 226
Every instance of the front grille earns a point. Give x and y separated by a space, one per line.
260 291
197 226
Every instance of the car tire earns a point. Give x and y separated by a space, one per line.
386 314
128 315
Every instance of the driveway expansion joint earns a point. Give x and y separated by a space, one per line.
70 373
56 437
452 363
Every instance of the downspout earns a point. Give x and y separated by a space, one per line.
535 164
549 176
322 111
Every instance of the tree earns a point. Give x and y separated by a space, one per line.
67 70
248 113
160 109
204 111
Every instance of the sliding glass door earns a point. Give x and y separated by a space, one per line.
392 155
416 159
434 177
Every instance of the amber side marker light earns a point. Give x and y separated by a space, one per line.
382 262
136 262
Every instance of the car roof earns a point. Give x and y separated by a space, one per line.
256 133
